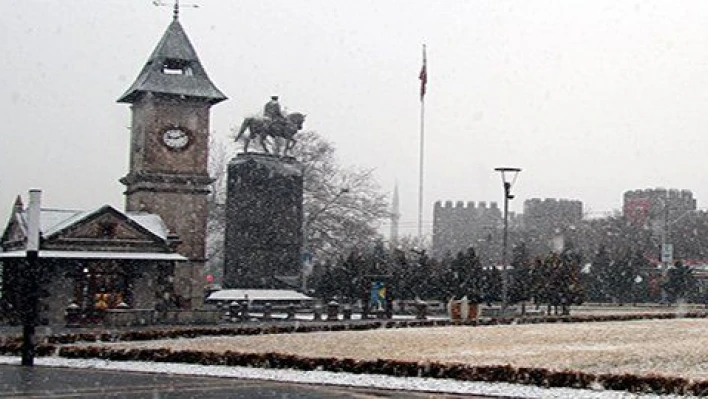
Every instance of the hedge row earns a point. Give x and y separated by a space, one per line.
14 348
521 375
191 332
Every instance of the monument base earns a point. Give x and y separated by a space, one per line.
263 222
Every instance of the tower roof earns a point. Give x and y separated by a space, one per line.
173 69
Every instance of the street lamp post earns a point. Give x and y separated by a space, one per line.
507 184
667 248
306 253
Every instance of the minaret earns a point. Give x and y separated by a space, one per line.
169 148
18 206
395 216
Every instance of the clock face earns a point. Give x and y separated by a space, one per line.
175 138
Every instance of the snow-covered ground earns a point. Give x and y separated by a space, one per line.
344 379
675 347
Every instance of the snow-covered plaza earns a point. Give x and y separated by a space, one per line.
677 347
674 347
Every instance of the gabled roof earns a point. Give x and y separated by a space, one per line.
149 223
54 222
176 52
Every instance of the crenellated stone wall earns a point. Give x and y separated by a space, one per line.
650 205
459 225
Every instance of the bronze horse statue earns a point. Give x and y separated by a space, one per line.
280 129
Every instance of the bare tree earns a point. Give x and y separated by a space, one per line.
343 207
220 152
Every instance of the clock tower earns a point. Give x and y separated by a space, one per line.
169 149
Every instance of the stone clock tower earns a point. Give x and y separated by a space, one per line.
169 149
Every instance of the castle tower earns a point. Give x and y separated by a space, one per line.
170 104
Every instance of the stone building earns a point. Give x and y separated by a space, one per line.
460 226
169 149
548 222
650 206
97 260
153 254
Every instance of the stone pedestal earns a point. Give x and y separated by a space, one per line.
263 222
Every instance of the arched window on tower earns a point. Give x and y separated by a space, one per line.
177 67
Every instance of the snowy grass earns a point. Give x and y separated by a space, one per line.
672 347
676 347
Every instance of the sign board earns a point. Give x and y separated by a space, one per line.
667 253
377 296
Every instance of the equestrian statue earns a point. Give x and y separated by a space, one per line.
282 128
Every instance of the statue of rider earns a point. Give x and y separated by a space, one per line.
275 122
274 116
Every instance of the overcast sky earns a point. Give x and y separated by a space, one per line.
590 98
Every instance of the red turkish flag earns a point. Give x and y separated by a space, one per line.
423 76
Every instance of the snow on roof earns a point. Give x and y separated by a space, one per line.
284 168
97 255
54 220
258 295
152 222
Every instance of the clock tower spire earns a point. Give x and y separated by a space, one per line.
170 105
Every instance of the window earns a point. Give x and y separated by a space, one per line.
177 67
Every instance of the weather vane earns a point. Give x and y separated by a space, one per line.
160 3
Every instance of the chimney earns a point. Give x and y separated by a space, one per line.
35 203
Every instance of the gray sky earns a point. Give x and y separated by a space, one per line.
590 98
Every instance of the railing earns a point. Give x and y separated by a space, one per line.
332 311
144 317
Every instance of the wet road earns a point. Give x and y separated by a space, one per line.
51 382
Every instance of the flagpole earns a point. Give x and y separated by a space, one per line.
420 169
423 81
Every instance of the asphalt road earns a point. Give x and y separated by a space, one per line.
52 382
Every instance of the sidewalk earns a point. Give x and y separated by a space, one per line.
51 382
